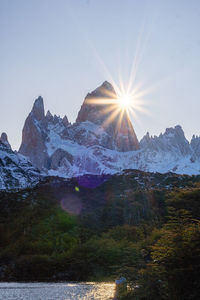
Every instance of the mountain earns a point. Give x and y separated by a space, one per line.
170 152
102 142
101 108
4 140
56 146
16 171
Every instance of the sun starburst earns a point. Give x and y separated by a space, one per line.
117 103
125 101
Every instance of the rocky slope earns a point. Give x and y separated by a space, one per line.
16 171
95 146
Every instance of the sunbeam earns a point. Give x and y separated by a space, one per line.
118 103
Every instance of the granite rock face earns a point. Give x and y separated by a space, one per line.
101 108
37 132
95 104
33 136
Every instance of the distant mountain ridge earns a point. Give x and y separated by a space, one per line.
58 148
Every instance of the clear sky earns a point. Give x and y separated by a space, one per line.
63 49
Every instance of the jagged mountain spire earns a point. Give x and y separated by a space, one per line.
65 121
38 109
120 129
4 140
90 110
32 136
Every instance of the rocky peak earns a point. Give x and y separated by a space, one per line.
146 137
177 138
33 135
100 107
106 90
49 116
150 142
195 146
95 104
108 86
195 138
177 131
38 109
173 139
65 121
4 140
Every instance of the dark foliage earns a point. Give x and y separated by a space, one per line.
150 236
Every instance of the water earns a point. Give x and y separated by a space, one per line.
56 291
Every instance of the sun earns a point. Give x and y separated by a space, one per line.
118 102
125 101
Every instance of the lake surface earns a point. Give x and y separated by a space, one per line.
56 291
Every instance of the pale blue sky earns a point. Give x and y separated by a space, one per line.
60 49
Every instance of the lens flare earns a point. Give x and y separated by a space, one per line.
117 103
125 101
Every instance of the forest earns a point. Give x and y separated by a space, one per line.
150 236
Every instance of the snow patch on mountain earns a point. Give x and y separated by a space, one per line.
98 160
16 171
77 149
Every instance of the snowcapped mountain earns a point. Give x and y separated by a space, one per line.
92 145
95 146
170 152
16 171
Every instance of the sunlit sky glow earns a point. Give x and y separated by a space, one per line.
125 101
61 50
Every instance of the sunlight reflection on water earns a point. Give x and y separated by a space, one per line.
56 291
